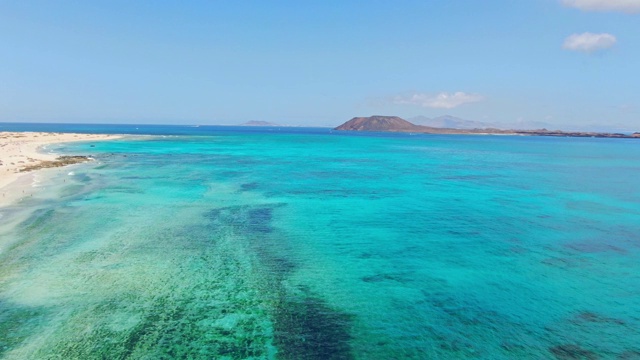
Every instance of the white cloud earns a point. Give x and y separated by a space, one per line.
441 100
628 6
589 42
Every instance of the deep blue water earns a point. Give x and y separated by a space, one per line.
133 129
303 243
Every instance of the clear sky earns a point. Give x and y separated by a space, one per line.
320 62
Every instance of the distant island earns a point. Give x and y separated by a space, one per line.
258 123
397 124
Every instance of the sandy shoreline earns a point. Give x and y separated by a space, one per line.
19 150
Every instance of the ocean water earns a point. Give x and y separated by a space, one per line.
246 243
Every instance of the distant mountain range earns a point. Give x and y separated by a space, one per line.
452 122
258 123
448 121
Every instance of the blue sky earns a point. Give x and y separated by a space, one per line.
320 63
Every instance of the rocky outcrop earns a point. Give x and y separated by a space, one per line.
378 123
60 161
397 124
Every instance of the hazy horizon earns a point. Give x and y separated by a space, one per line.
567 63
527 125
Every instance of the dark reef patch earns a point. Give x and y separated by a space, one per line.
588 316
246 220
253 224
572 352
16 324
630 355
37 219
397 277
260 220
595 246
249 186
307 328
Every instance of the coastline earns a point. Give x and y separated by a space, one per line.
380 123
20 150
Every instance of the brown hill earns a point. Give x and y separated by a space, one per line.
378 123
397 124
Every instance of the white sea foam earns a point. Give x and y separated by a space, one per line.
71 173
36 181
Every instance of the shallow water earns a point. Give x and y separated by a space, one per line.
305 244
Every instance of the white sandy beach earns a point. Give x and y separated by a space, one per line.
21 149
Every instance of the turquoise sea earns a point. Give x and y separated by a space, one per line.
247 243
